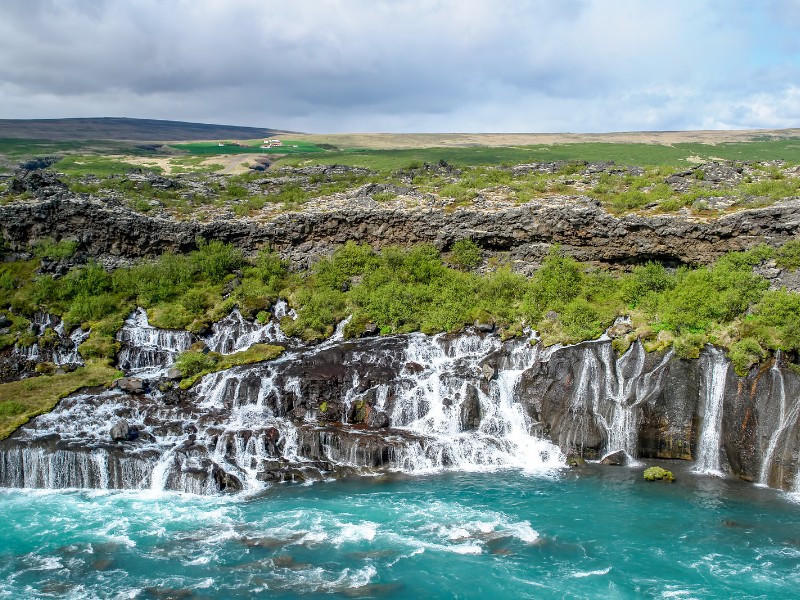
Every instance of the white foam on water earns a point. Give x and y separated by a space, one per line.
581 574
356 532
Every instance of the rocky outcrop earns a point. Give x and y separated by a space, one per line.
413 402
114 234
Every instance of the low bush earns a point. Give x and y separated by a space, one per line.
465 254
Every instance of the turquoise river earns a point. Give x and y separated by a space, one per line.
595 532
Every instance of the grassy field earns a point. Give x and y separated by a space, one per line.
290 147
390 152
640 154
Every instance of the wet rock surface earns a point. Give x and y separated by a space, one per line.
410 403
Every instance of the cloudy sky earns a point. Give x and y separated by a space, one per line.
407 66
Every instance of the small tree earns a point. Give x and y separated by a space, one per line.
465 254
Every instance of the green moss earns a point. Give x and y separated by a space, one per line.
31 397
658 474
194 364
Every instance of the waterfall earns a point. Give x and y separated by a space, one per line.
613 390
67 353
147 350
452 403
712 396
61 351
787 418
444 399
234 333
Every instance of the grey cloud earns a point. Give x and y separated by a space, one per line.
417 65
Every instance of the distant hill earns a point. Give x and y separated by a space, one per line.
121 128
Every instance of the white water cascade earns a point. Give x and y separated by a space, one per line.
234 333
788 412
712 396
148 350
445 398
63 351
613 390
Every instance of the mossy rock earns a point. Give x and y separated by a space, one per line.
575 461
658 474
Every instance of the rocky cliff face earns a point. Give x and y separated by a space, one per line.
114 233
409 403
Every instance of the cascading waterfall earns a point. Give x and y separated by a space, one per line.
61 351
708 447
437 402
411 403
789 410
235 333
68 354
148 350
613 390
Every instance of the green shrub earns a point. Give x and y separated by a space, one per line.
558 281
689 345
196 300
55 251
648 278
788 256
215 259
269 267
580 321
465 254
744 354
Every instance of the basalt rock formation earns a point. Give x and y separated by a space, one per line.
114 234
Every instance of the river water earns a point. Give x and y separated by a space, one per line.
586 533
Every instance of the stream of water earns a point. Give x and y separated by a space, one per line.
595 532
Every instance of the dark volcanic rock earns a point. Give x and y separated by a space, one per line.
617 459
133 385
583 228
121 431
42 184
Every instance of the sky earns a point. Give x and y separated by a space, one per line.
328 66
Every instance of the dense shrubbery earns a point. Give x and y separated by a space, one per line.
178 290
402 290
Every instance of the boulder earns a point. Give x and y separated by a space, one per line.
377 419
575 460
4 321
658 474
414 367
225 481
121 431
489 370
487 327
370 329
132 385
174 374
619 329
618 459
